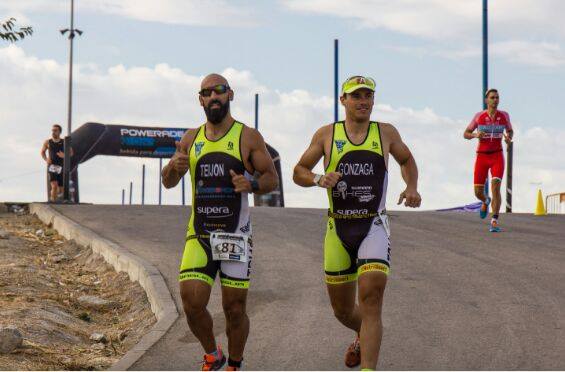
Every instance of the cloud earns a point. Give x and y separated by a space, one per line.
519 29
187 12
430 19
163 95
442 19
540 54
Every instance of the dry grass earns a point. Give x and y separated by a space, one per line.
41 278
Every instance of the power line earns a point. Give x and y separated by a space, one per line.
21 175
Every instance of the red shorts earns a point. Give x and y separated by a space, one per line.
485 161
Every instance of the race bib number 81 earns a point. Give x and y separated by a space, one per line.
229 247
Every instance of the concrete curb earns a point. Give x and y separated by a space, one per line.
138 269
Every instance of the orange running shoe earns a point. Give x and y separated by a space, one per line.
353 354
212 363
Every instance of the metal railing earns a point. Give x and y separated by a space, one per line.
555 203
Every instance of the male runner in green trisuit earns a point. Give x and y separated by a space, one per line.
221 155
357 244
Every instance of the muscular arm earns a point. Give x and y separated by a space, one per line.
408 168
262 162
303 174
177 167
469 131
44 150
469 134
401 153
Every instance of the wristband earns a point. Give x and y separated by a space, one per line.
317 178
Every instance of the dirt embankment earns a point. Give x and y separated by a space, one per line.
43 283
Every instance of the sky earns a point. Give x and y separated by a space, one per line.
140 62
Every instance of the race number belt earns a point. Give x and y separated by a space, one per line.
207 237
55 168
380 218
339 216
229 247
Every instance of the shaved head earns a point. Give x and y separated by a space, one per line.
213 79
215 97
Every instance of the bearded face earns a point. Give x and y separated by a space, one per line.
216 111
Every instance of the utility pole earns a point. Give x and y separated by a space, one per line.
160 178
485 68
509 161
130 191
67 140
485 53
256 111
143 185
336 78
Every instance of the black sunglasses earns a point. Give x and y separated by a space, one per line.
219 89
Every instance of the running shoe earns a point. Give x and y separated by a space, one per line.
494 226
212 363
353 354
483 212
234 368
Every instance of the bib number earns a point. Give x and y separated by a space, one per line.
229 247
55 168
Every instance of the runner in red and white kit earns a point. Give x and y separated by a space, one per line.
490 125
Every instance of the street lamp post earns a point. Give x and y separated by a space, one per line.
336 78
67 142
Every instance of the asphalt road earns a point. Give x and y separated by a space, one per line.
458 296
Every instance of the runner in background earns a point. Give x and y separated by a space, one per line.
490 126
55 150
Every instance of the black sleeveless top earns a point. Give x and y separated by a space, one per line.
54 148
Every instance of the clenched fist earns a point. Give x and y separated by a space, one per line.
241 183
329 180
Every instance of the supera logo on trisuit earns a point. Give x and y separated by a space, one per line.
214 212
352 212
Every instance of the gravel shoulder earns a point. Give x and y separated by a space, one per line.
72 309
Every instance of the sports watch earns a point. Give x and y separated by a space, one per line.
254 186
